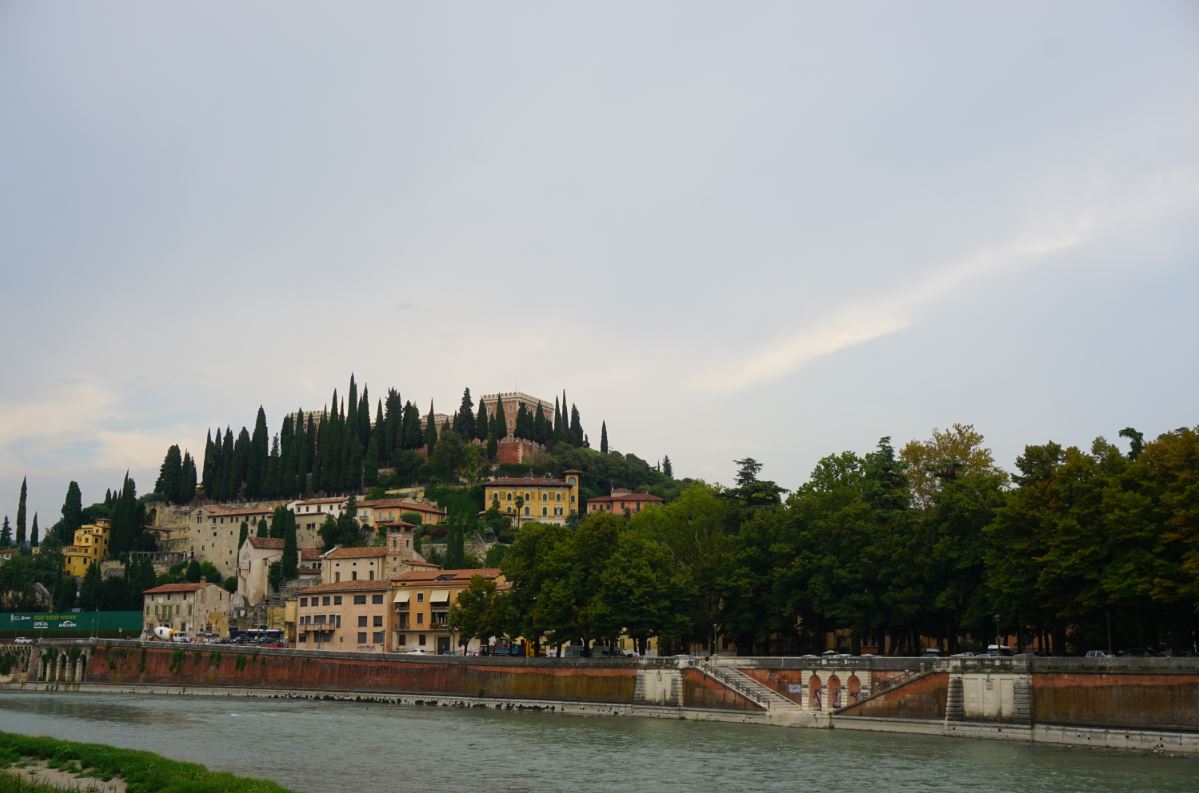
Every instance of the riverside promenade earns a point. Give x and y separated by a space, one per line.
1142 704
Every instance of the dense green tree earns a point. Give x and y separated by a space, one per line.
262 529
603 437
194 571
482 423
282 521
449 455
170 476
6 534
524 423
34 533
243 534
289 564
455 547
667 468
20 537
481 612
430 431
72 515
187 488
576 427
89 588
274 576
370 468
464 421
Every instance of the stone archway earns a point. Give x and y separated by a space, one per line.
80 667
834 692
855 690
814 693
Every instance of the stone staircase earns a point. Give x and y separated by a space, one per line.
751 689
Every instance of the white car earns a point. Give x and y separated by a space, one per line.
416 652
23 640
1096 654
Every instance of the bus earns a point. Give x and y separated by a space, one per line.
270 637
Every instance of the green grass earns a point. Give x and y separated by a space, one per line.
143 772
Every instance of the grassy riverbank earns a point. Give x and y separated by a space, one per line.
142 772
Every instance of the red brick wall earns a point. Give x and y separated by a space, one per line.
515 451
1118 700
701 691
920 699
245 668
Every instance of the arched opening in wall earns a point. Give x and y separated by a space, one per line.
41 667
834 692
855 690
814 693
81 671
61 667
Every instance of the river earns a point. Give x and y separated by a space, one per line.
338 746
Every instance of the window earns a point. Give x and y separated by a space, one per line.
362 622
378 638
420 618
527 499
303 601
362 637
376 598
354 576
359 600
337 578
557 497
545 496
509 498
402 640
325 600
420 597
526 510
378 621
337 600
422 640
544 511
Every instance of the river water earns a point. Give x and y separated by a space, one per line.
338 746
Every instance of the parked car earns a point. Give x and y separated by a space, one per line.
23 640
1096 654
932 652
998 650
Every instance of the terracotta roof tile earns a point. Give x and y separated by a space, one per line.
418 577
402 503
373 552
266 543
346 586
169 588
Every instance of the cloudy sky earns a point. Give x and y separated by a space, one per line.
778 230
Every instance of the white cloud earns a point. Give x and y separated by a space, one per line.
82 419
862 321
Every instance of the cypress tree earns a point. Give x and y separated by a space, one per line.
21 515
256 461
524 424
466 416
170 476
289 564
353 468
557 418
430 431
603 437
482 425
370 469
413 432
72 514
493 445
380 432
540 430
498 428
187 491
272 481
5 534
209 463
279 522
352 405
304 441
34 534
666 467
364 417
263 530
243 534
576 427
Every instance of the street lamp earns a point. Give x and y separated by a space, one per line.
715 627
998 643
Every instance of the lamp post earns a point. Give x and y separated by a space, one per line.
998 643
715 627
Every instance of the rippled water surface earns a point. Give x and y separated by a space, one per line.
335 746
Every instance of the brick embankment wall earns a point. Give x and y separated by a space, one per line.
923 698
701 691
1147 701
781 680
205 666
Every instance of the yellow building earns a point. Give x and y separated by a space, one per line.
422 601
90 545
544 500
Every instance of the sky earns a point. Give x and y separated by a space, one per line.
778 230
